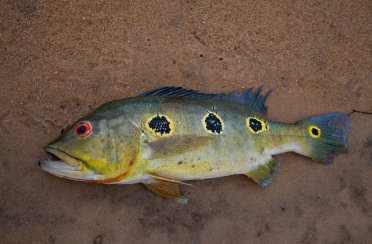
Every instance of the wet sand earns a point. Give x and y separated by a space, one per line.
61 59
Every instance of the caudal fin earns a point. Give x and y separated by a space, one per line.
326 136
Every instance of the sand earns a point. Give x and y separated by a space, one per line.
61 59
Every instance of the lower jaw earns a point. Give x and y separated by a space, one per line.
67 171
63 157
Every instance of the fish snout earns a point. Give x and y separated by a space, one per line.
61 161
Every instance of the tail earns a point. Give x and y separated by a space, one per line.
326 136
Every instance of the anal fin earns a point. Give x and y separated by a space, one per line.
264 174
166 188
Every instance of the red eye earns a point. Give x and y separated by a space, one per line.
83 129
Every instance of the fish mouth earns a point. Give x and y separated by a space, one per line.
69 167
62 165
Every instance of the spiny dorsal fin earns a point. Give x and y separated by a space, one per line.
166 187
249 97
264 174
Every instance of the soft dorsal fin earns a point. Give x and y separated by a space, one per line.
166 187
252 98
264 174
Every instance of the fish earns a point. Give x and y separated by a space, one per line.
169 136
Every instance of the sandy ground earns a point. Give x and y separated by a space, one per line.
60 59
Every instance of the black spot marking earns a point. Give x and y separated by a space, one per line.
213 123
315 131
160 124
255 124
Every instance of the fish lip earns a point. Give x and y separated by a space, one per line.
64 161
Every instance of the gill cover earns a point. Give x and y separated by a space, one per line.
92 150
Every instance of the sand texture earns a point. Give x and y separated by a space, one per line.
61 59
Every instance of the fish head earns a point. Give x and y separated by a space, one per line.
89 150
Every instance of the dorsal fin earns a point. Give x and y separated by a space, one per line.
252 98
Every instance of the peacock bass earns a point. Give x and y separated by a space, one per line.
170 135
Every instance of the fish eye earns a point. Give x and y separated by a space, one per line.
83 129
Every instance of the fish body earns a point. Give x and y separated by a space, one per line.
171 135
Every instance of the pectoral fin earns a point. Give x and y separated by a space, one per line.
171 146
166 187
264 174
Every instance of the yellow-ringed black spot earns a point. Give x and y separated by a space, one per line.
160 124
256 125
213 123
314 131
